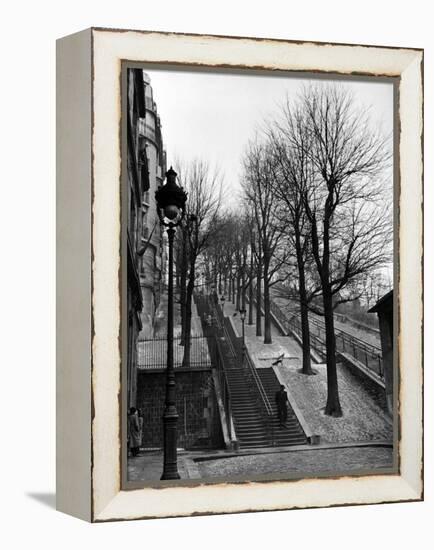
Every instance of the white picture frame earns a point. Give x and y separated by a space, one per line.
88 267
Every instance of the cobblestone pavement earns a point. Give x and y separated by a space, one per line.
362 420
304 462
149 465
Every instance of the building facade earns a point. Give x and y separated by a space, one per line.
152 259
146 162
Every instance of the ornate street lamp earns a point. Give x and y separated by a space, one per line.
243 318
170 200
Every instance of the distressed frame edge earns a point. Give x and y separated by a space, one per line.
73 275
411 489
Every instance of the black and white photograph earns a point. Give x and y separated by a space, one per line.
259 254
217 299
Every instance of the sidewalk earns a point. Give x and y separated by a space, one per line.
301 462
264 354
278 460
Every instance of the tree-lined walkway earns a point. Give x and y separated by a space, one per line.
264 354
363 419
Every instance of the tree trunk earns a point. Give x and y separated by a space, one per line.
187 332
238 306
183 283
258 301
304 315
305 336
333 406
233 290
250 321
243 292
267 315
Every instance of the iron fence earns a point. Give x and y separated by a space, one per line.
152 353
366 354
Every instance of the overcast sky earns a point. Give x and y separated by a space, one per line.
213 115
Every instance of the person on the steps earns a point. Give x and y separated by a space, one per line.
282 407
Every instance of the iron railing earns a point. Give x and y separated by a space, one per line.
233 340
152 353
367 354
261 396
220 370
212 327
293 323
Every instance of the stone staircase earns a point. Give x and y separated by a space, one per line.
253 427
249 424
292 433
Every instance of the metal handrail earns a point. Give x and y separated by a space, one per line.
293 323
233 340
227 399
367 354
361 343
205 307
264 405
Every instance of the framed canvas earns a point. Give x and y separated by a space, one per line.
239 274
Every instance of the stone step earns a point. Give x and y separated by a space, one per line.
254 439
247 419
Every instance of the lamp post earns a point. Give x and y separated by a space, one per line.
170 200
243 318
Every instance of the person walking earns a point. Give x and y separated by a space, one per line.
282 405
141 422
133 431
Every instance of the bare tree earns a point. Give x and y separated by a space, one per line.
348 218
204 188
259 194
293 174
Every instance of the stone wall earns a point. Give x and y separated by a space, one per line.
198 423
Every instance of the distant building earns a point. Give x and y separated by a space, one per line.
384 309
